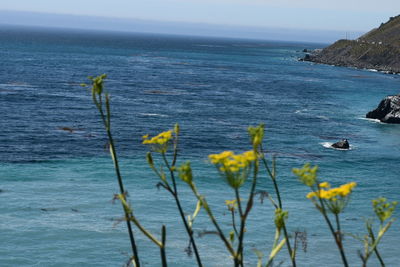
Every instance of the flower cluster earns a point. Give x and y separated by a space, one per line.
383 208
280 218
235 168
256 135
185 172
160 142
229 162
332 193
231 204
307 175
335 199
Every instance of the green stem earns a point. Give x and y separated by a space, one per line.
376 249
234 222
338 232
178 204
107 125
276 240
335 236
162 248
239 252
243 217
272 175
204 203
237 196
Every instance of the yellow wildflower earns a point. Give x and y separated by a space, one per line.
311 195
307 175
256 135
160 142
324 185
218 158
234 167
342 191
383 208
231 204
185 172
336 198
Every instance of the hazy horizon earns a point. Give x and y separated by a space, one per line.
68 21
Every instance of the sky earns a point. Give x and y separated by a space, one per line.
337 16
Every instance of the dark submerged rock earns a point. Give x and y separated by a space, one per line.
388 110
306 57
344 144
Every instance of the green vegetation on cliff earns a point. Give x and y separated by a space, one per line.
378 49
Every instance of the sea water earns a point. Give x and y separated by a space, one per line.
58 182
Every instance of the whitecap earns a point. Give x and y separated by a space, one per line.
206 45
153 115
301 110
371 120
323 117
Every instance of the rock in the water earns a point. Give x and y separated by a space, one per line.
387 111
306 57
344 144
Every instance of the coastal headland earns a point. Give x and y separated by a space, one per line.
379 49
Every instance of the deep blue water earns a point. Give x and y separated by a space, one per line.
57 187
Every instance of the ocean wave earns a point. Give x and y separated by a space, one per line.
301 111
16 85
323 117
371 120
205 45
153 115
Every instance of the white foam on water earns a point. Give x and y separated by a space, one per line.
301 110
323 117
329 145
153 115
371 120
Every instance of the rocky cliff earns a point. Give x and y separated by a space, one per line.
378 49
387 111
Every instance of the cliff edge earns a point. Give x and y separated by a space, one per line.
378 49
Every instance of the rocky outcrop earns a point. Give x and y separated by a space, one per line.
387 111
378 49
344 144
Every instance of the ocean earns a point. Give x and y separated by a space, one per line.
57 185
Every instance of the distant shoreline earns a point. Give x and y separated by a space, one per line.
320 58
354 66
379 50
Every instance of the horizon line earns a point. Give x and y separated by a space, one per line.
137 25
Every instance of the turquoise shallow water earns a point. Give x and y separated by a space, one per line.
57 187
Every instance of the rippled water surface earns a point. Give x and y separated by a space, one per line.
57 185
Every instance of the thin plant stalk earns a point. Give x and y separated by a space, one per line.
174 193
162 247
132 218
274 245
106 119
234 222
370 250
334 234
204 204
239 254
272 175
378 255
